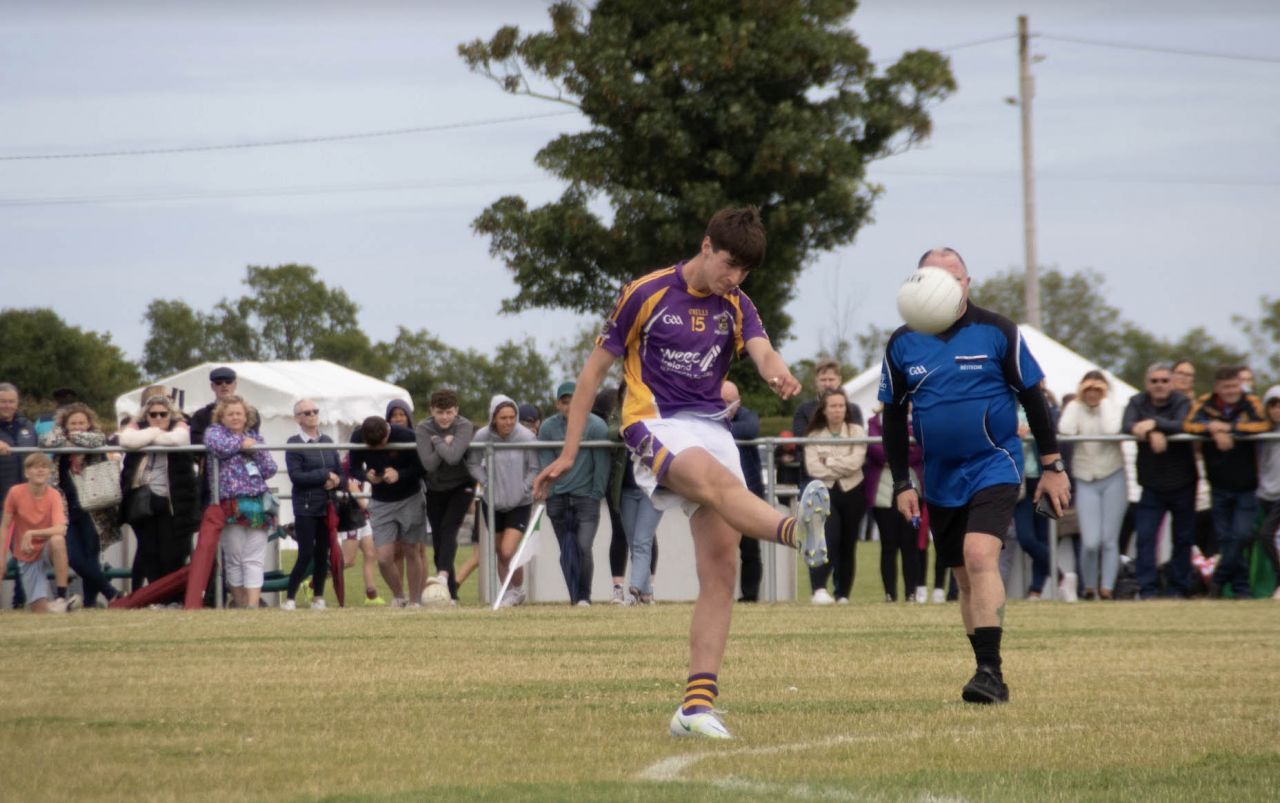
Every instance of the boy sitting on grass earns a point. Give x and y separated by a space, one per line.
35 512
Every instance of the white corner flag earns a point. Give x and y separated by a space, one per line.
524 553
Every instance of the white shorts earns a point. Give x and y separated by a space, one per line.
244 553
655 442
355 535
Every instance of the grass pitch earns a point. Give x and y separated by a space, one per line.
1111 701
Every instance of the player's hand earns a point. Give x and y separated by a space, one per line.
909 505
785 385
1224 441
4 448
548 476
1057 486
373 476
24 543
391 475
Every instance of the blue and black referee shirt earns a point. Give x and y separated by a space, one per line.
962 387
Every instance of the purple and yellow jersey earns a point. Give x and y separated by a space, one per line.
677 344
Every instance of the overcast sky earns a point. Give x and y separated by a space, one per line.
1159 170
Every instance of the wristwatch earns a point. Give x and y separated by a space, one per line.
1056 465
903 485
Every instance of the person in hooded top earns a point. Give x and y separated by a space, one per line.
443 440
512 493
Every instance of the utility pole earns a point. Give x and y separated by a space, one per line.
1027 90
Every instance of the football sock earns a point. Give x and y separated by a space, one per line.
699 693
60 592
371 593
786 534
986 647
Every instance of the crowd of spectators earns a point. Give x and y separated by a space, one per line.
1218 494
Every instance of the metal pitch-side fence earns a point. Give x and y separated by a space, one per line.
488 566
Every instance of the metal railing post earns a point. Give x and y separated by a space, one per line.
769 551
212 463
488 565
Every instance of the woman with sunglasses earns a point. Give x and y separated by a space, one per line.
168 512
314 475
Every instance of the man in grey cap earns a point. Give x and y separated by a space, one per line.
574 503
223 382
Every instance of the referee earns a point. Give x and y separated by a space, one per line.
962 386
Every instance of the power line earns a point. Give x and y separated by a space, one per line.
264 192
1170 51
274 143
976 42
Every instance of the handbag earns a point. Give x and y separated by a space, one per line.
97 485
142 504
350 516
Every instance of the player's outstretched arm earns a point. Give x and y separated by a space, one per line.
773 369
593 373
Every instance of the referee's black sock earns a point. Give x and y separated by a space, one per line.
986 647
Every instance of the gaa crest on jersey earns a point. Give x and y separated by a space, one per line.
722 323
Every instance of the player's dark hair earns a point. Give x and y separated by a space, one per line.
1226 372
741 233
374 430
818 420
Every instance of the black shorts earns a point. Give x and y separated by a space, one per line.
990 511
517 518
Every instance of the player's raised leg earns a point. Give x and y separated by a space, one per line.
699 477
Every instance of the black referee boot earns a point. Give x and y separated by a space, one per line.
986 687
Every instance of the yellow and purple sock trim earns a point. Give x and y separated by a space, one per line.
786 534
700 693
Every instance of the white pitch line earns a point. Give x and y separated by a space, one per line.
670 769
673 767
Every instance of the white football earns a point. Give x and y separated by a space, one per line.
436 595
929 301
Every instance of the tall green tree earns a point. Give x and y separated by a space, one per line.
177 337
43 353
693 107
285 314
421 363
